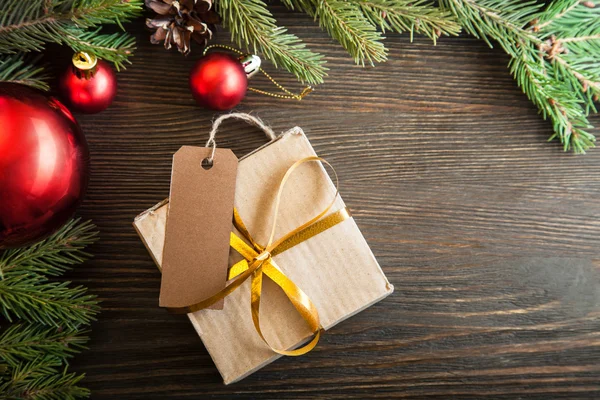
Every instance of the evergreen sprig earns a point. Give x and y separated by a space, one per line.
502 21
252 26
409 16
33 298
27 26
29 342
25 290
570 34
34 352
346 22
54 255
42 379
353 23
17 68
555 51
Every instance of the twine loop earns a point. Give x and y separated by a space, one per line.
252 120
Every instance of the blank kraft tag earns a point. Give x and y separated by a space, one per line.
199 223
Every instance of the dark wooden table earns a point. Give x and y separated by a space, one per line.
489 233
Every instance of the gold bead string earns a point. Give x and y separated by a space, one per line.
287 95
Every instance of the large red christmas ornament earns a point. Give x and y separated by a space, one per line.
218 81
43 165
89 85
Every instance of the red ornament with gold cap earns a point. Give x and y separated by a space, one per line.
89 85
219 80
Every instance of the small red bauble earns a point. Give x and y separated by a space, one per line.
218 81
90 85
43 165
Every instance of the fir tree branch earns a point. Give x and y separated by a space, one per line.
588 79
52 256
17 15
42 380
345 22
116 47
16 68
559 73
554 99
33 357
409 16
252 26
26 293
28 26
32 298
500 20
570 31
554 11
24 342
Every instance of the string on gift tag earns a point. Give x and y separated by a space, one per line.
250 119
288 94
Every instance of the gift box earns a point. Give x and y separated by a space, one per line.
335 268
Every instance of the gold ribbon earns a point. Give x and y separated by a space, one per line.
258 260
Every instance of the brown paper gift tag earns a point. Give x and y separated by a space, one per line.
196 253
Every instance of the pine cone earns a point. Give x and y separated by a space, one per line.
180 21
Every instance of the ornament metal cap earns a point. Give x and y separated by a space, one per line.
251 64
84 61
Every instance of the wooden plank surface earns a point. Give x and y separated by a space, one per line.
489 233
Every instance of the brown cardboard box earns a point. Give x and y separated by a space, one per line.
336 268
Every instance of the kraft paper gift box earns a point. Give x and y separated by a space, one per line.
335 268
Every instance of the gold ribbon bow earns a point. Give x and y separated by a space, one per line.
258 260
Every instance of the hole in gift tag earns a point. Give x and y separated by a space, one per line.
207 164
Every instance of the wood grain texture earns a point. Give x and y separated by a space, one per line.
489 233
